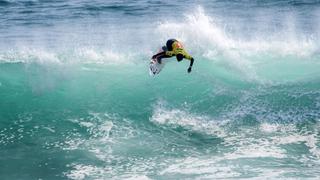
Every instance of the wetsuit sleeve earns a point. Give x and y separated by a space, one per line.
186 55
160 54
191 62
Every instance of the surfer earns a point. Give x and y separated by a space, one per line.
174 48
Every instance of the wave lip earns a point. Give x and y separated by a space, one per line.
214 36
78 55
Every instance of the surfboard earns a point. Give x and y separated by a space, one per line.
155 68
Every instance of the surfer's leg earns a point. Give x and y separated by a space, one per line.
160 58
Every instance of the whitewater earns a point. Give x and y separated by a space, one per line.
77 101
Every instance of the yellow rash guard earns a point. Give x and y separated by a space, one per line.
177 48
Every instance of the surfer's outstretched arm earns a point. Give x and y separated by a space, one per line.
191 62
187 56
190 66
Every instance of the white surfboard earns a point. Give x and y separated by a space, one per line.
155 67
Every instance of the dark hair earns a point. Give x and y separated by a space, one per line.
179 57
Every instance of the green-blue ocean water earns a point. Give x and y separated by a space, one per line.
77 101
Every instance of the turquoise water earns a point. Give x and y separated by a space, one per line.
77 101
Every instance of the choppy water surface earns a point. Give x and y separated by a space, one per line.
77 102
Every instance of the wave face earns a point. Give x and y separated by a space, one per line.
77 102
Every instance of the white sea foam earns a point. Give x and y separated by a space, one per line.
198 166
179 118
208 34
84 55
238 149
81 171
247 143
28 55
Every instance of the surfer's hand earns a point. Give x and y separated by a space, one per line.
189 69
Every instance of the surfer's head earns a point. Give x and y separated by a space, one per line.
179 57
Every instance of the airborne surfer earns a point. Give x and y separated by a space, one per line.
174 48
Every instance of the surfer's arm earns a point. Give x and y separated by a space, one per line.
187 56
191 62
190 66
